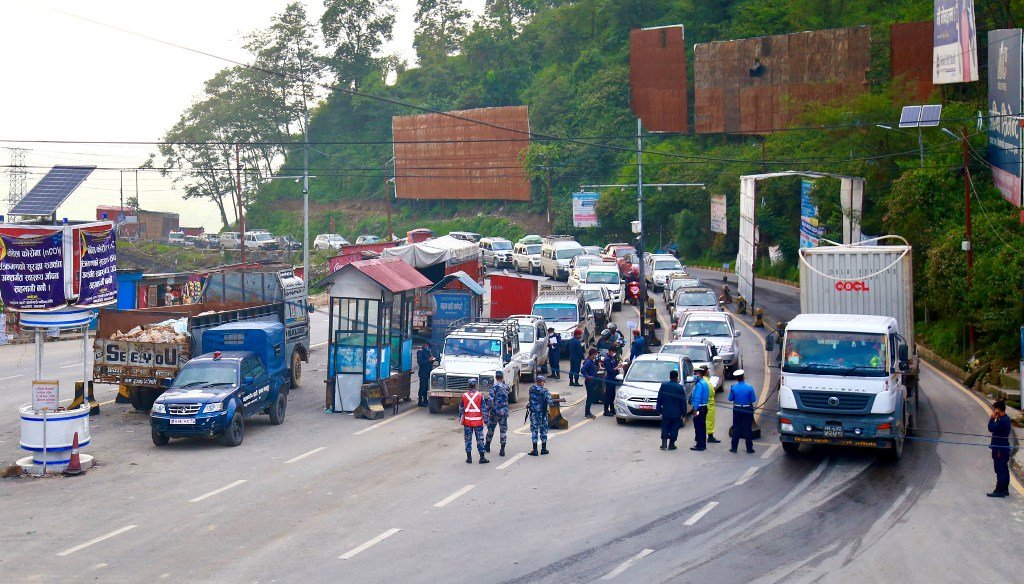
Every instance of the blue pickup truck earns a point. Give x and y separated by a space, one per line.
242 374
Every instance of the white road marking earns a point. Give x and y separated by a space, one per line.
625 565
703 511
746 476
387 421
552 433
769 451
12 377
454 496
215 491
70 366
301 456
352 552
82 546
510 461
318 345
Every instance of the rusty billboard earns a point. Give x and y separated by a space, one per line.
910 51
657 78
469 154
760 84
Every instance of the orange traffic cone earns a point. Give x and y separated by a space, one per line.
75 466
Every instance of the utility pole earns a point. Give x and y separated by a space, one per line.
640 220
305 191
547 185
968 231
387 201
241 209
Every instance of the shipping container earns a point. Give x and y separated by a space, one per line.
512 295
859 279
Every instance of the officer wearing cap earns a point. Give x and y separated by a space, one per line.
540 399
471 416
743 398
496 410
576 354
699 401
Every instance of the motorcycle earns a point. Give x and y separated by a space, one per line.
633 293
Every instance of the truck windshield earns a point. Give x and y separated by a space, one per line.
651 371
462 347
835 353
602 277
207 373
557 312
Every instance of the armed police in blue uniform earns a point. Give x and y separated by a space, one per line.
699 401
671 407
593 382
540 399
742 397
575 349
611 369
496 411
471 416
425 361
999 425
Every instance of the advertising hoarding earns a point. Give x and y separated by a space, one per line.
657 78
954 43
1004 104
810 228
584 210
718 224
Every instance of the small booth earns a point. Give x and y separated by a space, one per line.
370 330
456 299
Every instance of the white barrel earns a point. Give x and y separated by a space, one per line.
60 433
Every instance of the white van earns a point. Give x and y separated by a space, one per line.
555 253
230 240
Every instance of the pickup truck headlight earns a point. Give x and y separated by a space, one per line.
437 381
486 382
159 408
213 407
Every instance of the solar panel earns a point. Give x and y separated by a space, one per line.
930 115
910 117
51 192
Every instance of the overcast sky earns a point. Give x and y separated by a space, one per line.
64 78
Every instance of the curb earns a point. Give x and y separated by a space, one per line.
765 278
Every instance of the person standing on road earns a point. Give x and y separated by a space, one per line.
575 347
425 362
742 397
554 353
999 425
471 416
672 407
699 401
711 407
638 346
611 369
496 411
540 399
593 382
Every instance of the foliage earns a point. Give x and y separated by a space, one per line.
440 29
355 31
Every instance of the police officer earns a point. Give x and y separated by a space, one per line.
554 353
425 360
999 425
710 425
593 382
742 397
638 346
540 399
612 366
471 416
575 348
496 411
617 339
672 407
699 401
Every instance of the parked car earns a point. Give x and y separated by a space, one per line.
365 239
526 257
230 240
718 328
176 238
496 252
288 243
600 302
658 268
675 282
209 241
578 268
693 300
329 240
555 253
193 240
701 352
533 345
637 397
466 236
260 241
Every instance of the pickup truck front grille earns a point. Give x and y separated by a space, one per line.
183 409
839 402
458 383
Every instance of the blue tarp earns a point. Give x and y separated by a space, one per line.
463 278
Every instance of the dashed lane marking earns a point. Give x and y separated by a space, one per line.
301 456
12 377
523 430
746 476
216 491
703 511
385 422
352 552
70 366
454 496
318 345
82 546
767 453
625 565
510 461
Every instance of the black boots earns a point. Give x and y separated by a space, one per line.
672 445
483 459
502 452
664 443
544 448
469 457
534 451
712 439
487 446
999 492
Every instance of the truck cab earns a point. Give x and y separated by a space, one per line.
244 375
476 351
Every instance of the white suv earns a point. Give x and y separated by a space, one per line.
526 257
329 241
533 344
496 252
717 328
475 351
658 268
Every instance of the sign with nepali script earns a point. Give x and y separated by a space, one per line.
955 45
32 271
99 268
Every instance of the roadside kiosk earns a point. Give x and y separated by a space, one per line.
370 331
454 300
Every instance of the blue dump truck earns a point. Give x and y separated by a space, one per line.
243 374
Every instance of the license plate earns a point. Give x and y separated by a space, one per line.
833 432
175 421
443 394
646 407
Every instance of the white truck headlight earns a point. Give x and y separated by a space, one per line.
213 407
159 408
437 381
486 382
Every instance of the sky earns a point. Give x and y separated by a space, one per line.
68 79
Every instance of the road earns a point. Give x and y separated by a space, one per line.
327 497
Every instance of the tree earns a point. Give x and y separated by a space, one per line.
440 29
355 30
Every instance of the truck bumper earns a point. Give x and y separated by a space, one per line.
863 431
205 425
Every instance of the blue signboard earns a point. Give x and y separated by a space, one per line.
1004 104
955 44
450 307
810 227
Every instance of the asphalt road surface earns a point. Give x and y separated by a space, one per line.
327 498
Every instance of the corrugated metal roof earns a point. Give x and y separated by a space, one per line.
462 277
390 273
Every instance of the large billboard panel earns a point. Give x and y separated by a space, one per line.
657 78
584 210
955 42
810 226
469 154
761 84
1004 105
718 223
911 56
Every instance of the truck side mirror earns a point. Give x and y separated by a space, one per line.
247 380
736 333
904 356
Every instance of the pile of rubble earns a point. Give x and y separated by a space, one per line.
168 331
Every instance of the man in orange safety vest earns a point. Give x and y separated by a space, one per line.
471 416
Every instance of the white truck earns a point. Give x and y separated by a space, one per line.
849 362
476 351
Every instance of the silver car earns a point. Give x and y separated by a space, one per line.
637 397
717 328
700 352
675 283
600 302
533 345
689 300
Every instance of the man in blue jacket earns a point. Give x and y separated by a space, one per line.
425 362
699 401
742 397
671 407
999 425
638 346
575 349
554 353
593 382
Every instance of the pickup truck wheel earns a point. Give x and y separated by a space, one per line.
235 431
279 408
160 439
296 370
790 448
513 396
434 404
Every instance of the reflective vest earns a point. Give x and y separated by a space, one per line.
472 414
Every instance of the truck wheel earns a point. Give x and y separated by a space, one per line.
235 431
513 396
790 447
896 452
160 439
434 404
296 370
277 410
135 395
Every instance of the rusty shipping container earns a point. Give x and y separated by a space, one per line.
910 50
760 84
470 154
657 78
